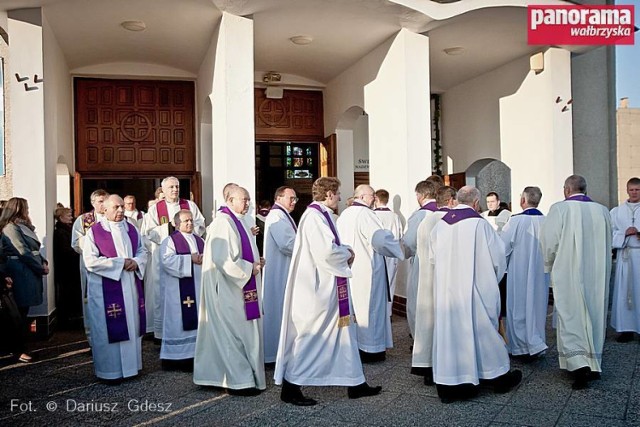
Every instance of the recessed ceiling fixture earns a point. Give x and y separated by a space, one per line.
453 51
133 25
301 40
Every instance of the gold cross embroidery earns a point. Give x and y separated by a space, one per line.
114 310
188 302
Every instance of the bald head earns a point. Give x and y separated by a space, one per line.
226 191
470 196
238 200
365 194
114 206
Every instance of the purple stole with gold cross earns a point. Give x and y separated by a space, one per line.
250 290
163 213
113 297
88 219
188 305
341 282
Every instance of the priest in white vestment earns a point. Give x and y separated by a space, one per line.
496 214
318 344
115 258
131 212
625 220
422 355
469 261
279 237
229 345
361 229
426 197
180 279
576 245
156 226
79 230
390 221
527 283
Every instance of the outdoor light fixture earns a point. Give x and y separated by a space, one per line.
454 51
301 40
133 25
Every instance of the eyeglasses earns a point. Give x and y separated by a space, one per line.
294 199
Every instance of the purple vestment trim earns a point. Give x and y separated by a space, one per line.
579 198
382 209
293 224
457 215
188 299
431 206
163 213
530 211
444 209
250 290
341 282
113 297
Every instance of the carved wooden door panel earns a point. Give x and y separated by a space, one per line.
134 126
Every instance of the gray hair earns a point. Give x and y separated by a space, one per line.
167 179
532 196
468 195
576 184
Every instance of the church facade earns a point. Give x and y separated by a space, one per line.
119 94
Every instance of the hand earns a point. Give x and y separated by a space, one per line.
45 269
130 265
9 282
196 259
631 231
255 230
256 268
353 256
262 262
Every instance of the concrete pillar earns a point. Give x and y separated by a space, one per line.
233 132
398 104
34 161
345 164
536 130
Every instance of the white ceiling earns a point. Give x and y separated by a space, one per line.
179 32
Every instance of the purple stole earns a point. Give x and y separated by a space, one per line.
456 215
385 209
163 214
293 224
188 306
579 198
113 297
341 282
431 206
88 219
531 212
139 216
250 290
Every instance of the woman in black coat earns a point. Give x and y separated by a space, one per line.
25 265
67 277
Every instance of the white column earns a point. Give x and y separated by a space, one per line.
398 105
232 106
535 132
33 161
344 138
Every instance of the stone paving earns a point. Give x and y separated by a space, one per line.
64 375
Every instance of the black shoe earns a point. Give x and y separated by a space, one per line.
252 391
625 337
581 378
506 382
367 357
449 394
428 378
362 390
291 393
116 381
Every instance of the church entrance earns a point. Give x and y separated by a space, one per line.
294 164
132 133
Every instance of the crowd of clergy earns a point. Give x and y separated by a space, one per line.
318 303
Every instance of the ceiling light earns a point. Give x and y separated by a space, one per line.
133 25
453 51
301 40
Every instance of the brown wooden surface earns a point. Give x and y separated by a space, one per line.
328 156
456 180
77 194
134 126
298 116
360 178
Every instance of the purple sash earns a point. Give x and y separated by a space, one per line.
431 206
530 211
163 213
293 224
456 215
188 306
250 290
579 198
341 282
382 209
113 297
139 215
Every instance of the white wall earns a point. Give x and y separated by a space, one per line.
536 135
344 156
471 115
361 144
133 70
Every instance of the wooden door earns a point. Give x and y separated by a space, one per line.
328 156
